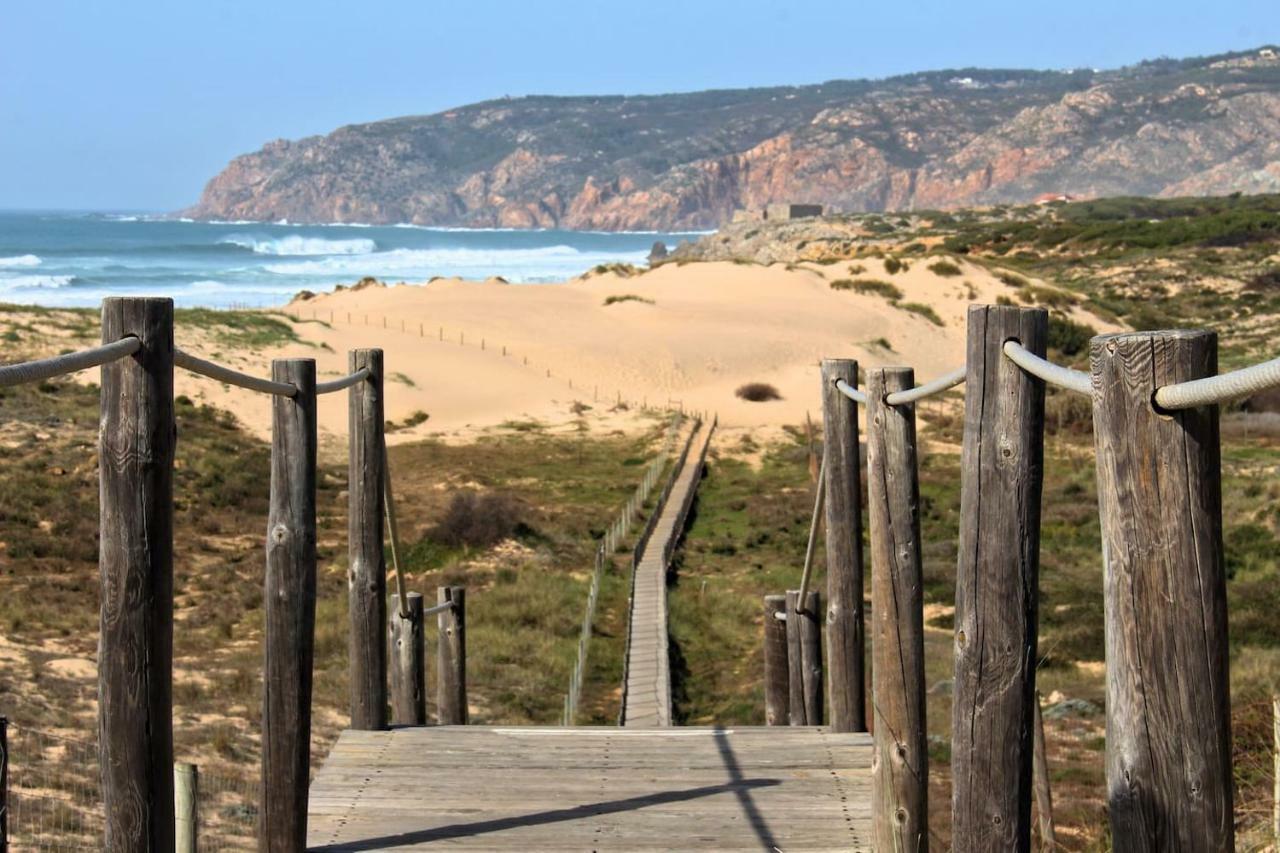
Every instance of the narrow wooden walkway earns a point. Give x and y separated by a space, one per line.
647 697
589 788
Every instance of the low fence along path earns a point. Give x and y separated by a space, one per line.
647 694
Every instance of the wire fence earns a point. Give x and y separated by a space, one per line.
55 798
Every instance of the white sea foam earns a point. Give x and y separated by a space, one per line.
23 282
544 261
295 245
21 261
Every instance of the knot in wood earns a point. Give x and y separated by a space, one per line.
280 534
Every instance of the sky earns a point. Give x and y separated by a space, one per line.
133 105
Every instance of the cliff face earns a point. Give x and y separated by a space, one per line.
935 140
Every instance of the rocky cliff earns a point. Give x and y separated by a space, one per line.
932 140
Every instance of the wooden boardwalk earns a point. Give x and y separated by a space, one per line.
647 698
593 788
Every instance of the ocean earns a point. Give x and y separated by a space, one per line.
75 259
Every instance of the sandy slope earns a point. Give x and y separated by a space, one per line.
711 327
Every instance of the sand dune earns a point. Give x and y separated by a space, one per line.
708 329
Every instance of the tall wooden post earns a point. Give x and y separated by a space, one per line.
135 642
845 629
1043 793
4 785
186 799
451 678
289 612
776 677
804 659
900 771
367 567
1169 782
408 663
997 581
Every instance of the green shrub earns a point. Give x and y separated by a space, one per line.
869 286
758 392
945 268
893 265
1069 337
626 297
923 310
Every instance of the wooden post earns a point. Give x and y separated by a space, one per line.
135 642
451 694
367 567
186 814
900 769
1169 782
408 663
289 612
996 584
1043 794
4 785
845 627
776 673
804 659
1275 771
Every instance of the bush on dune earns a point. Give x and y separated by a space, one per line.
758 392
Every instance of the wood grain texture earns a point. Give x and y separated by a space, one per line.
593 788
846 630
1169 782
186 799
367 566
804 658
776 674
900 770
135 642
997 580
289 612
1043 792
408 654
451 669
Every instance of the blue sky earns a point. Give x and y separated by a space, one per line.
134 105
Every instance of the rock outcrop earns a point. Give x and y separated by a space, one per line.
688 161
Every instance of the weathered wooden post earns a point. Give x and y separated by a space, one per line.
776 674
1169 782
408 663
1043 793
4 785
135 642
997 580
845 628
900 769
367 566
804 659
186 799
289 612
451 694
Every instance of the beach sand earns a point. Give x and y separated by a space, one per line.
707 329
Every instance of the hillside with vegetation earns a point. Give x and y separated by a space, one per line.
937 139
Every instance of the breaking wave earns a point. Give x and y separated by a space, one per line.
299 246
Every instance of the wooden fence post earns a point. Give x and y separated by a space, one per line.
186 808
367 566
4 785
290 612
451 678
997 581
900 771
1044 795
135 558
804 659
409 663
845 627
776 677
1169 780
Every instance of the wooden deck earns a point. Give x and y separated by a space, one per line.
647 699
589 788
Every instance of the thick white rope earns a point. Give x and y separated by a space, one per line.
393 531
1219 389
1063 377
47 368
813 529
920 392
342 382
852 393
232 377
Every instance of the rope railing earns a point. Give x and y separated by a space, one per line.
1221 388
198 365
342 383
943 383
852 393
1054 374
812 546
47 368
